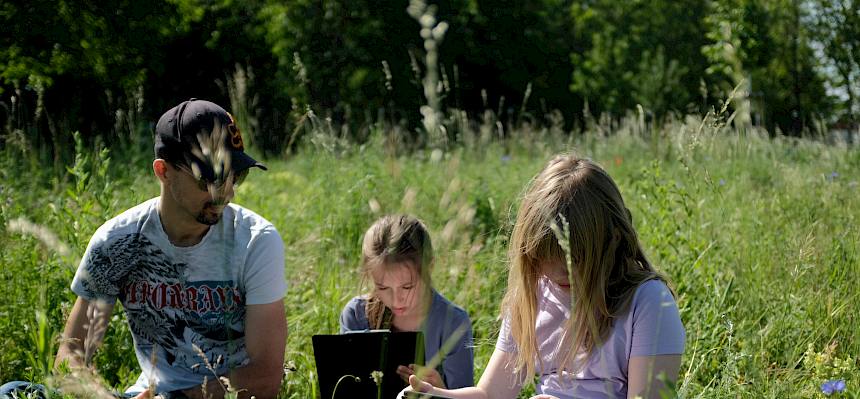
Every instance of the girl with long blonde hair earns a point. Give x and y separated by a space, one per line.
396 258
584 310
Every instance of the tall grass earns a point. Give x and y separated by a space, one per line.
758 235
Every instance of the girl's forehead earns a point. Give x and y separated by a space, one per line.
394 274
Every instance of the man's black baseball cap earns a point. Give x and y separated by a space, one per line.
201 133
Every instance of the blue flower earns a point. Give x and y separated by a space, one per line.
839 385
506 158
831 386
722 182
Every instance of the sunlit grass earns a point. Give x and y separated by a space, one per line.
759 237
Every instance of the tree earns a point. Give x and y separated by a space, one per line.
638 52
500 47
70 64
794 94
332 53
740 46
764 47
836 27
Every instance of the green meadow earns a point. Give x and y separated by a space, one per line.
758 235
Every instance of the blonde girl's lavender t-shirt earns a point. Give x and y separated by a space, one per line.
651 326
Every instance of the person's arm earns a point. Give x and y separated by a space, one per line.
83 333
265 341
497 382
346 318
644 375
658 340
352 317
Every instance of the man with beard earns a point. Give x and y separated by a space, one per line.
201 280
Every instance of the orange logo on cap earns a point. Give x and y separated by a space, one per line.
235 134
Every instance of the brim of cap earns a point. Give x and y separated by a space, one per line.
241 161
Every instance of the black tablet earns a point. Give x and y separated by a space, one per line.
346 362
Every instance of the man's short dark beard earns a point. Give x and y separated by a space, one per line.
211 221
207 221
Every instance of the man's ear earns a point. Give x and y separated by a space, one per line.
159 167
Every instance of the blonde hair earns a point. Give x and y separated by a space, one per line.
577 198
395 240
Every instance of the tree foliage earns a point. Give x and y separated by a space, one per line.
638 52
98 68
836 28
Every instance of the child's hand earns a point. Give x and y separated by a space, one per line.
426 374
405 371
419 386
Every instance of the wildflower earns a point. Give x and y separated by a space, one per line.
506 158
831 386
722 182
289 367
377 377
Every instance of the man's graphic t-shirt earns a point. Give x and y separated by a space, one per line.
185 305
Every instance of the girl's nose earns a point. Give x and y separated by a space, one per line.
401 297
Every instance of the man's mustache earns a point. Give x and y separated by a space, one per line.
219 202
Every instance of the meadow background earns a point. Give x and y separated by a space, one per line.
724 124
758 235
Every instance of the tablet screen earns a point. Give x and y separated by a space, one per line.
347 363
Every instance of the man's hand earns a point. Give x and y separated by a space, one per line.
427 374
212 389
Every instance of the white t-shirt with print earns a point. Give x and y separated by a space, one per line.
181 299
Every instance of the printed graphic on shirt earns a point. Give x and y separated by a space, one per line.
163 309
